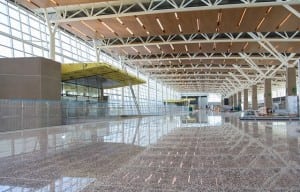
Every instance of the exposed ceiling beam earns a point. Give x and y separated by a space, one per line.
117 9
172 68
202 57
109 44
292 10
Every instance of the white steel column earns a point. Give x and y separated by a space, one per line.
156 96
268 93
52 31
148 95
97 50
131 89
122 101
138 88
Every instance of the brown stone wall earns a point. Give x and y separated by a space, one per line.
30 78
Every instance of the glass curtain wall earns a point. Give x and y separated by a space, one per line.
24 34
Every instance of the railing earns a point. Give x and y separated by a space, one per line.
26 114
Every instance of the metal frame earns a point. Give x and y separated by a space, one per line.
193 39
240 76
110 9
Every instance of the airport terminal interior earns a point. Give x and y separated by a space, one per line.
149 95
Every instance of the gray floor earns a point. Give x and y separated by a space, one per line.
198 152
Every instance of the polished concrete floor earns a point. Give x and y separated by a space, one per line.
204 151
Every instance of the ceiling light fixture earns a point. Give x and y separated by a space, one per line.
124 51
101 34
139 21
108 27
284 20
135 49
88 26
160 24
179 27
219 21
229 47
148 49
75 29
263 19
269 10
172 47
186 48
260 23
131 33
198 24
245 46
54 2
290 49
242 17
120 21
176 16
158 47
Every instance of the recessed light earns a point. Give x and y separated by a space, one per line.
176 16
179 27
131 33
160 24
242 17
120 21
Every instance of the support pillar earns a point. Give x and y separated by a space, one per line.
268 93
136 102
291 83
101 94
239 100
97 50
52 31
234 100
123 101
230 101
245 99
254 97
291 91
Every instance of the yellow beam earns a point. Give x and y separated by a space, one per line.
104 70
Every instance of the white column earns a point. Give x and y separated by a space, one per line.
148 95
122 101
52 31
156 95
97 50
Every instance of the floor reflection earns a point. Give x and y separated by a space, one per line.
201 118
54 158
202 151
71 184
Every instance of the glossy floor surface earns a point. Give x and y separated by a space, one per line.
197 152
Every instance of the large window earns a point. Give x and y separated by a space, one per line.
23 34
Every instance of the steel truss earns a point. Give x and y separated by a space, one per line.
110 9
240 77
194 39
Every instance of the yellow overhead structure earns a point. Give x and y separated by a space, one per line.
100 75
180 100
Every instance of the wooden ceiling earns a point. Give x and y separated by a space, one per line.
204 21
219 51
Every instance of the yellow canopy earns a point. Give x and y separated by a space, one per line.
180 100
100 75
